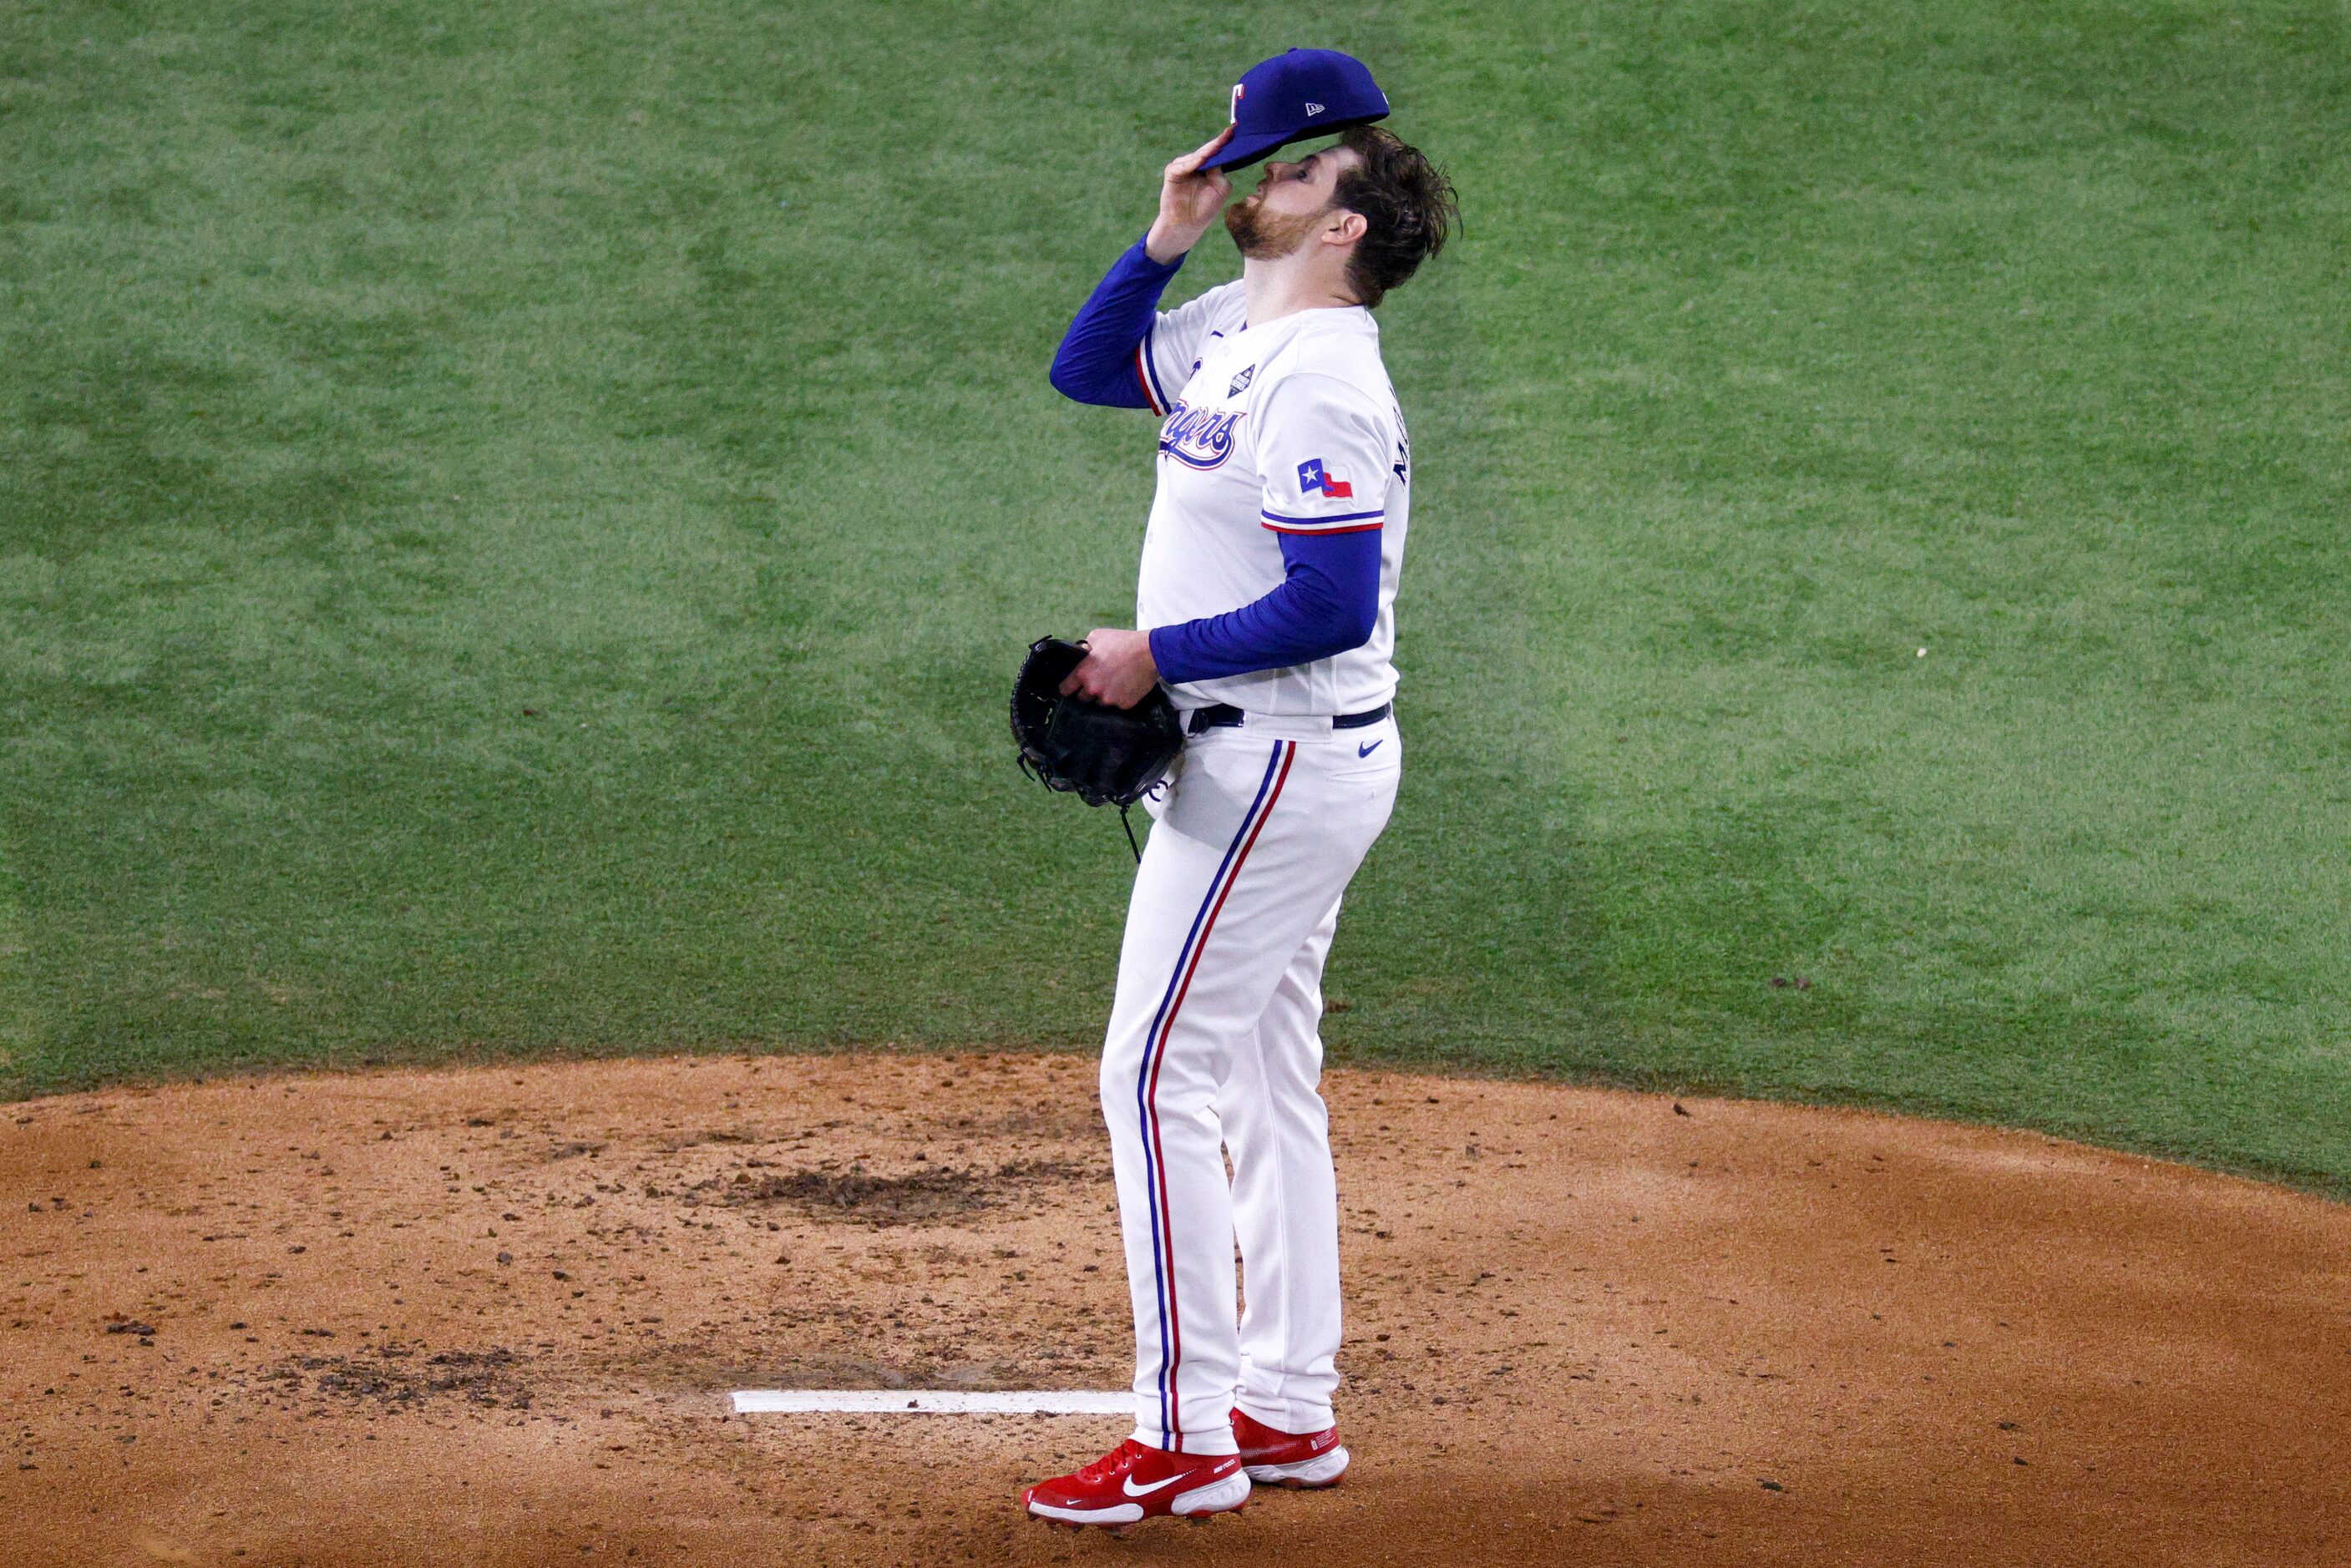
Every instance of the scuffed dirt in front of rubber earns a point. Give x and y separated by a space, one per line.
491 1316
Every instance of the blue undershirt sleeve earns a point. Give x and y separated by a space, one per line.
1328 602
1096 362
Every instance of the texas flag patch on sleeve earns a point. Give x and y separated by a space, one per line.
1313 478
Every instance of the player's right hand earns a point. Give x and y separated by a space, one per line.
1190 199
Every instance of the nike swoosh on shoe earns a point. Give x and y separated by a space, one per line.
1134 1490
1209 1473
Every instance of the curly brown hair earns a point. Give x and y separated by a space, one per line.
1407 204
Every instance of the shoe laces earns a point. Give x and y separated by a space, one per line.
1118 1460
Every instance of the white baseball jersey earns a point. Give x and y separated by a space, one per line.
1290 427
1214 1047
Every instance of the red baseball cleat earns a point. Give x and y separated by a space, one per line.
1288 1458
1132 1482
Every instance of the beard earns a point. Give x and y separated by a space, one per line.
1262 236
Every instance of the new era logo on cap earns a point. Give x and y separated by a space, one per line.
1312 110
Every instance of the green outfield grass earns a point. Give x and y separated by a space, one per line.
516 526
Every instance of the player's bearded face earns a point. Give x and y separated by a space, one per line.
1262 236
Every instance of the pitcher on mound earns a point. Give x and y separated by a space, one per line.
1265 601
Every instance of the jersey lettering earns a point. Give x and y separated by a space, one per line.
1199 438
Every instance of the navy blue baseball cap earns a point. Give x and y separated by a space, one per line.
1293 95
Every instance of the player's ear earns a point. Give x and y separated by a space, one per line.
1347 227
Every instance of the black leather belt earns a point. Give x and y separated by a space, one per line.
1224 716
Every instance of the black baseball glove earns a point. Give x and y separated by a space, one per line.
1105 756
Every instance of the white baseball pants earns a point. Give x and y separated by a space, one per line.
1214 1049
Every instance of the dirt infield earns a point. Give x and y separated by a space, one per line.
489 1317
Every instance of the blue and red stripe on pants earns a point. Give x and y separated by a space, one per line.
1146 1084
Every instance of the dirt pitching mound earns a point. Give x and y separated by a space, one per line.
491 1316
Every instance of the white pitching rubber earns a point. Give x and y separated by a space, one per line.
932 1402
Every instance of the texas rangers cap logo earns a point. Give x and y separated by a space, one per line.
1237 89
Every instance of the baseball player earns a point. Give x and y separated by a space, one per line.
1266 606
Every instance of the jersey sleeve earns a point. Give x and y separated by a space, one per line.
1171 350
1099 359
1325 448
1328 602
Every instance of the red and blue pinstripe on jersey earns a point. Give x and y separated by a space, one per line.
1152 397
1335 523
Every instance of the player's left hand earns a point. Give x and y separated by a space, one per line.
1118 671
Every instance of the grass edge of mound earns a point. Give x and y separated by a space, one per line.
16 1090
